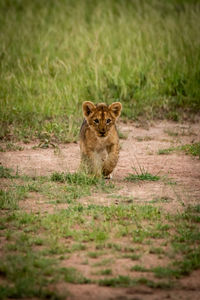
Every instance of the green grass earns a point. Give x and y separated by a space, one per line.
138 268
126 281
131 256
94 254
194 208
143 176
56 54
156 250
74 276
123 281
58 188
37 246
166 151
106 272
6 173
76 178
192 149
9 199
30 274
11 147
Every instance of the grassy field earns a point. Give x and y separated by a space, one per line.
38 245
56 54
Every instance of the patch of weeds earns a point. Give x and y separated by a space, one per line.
186 234
169 181
194 208
58 193
46 143
191 215
22 243
155 231
6 173
192 149
164 199
80 184
138 268
75 192
29 274
158 231
166 151
75 178
165 272
154 284
27 219
106 272
190 262
100 246
38 241
142 177
59 177
132 256
126 281
122 281
139 235
148 212
95 234
114 246
9 199
11 147
7 291
56 248
195 218
130 249
28 222
8 234
34 187
74 276
94 254
171 132
104 262
156 250
78 247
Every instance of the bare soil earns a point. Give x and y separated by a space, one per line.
139 152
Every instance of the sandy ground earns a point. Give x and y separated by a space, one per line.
139 151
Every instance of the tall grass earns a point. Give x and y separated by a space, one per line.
56 54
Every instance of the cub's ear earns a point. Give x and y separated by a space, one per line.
88 107
115 108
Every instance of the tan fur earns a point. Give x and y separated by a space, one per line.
99 142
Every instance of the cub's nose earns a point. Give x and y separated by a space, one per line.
102 132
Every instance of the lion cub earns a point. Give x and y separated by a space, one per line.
99 142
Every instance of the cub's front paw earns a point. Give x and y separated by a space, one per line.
108 176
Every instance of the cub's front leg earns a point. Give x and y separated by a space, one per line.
92 163
111 160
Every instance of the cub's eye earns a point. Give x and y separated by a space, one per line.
108 121
96 121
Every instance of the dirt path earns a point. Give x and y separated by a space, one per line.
139 151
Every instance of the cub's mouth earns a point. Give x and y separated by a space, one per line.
102 134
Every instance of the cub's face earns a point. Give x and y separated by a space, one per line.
101 118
